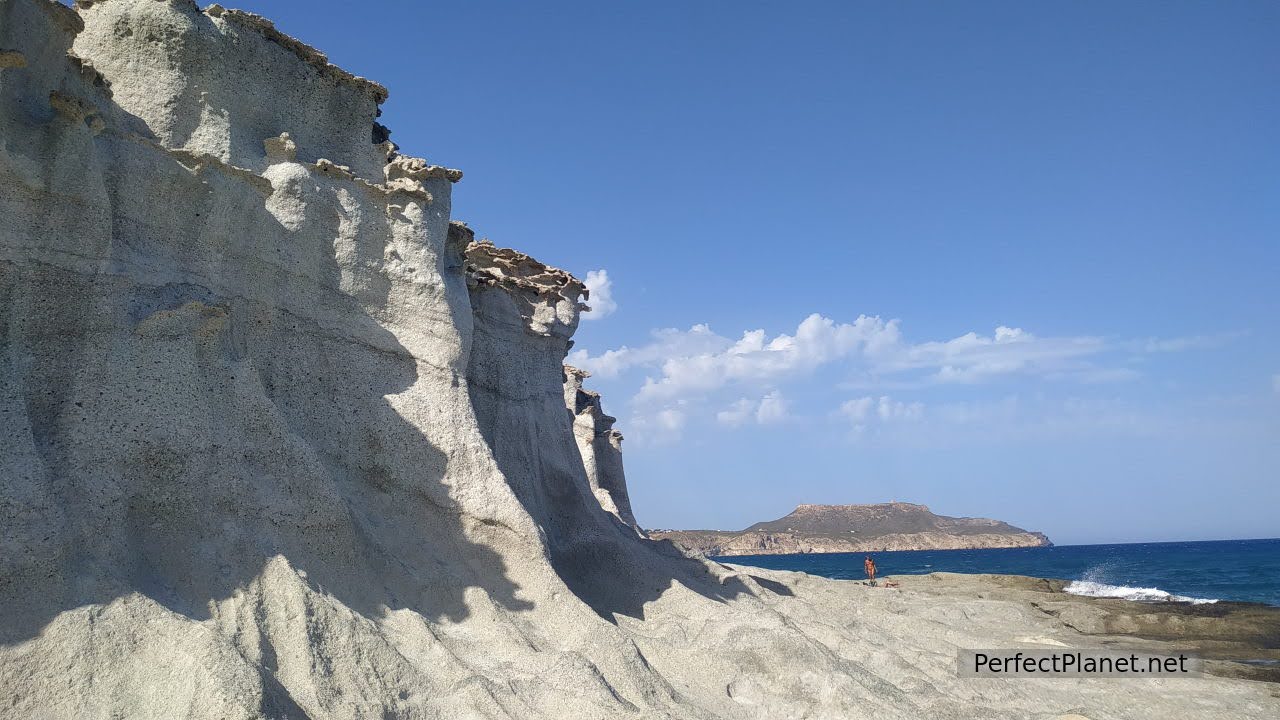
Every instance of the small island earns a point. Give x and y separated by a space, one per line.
856 528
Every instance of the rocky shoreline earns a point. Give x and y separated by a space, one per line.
713 543
1236 639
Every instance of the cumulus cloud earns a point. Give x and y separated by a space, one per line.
770 409
755 357
663 344
890 410
883 409
858 409
700 361
699 369
737 413
601 295
662 426
773 409
671 420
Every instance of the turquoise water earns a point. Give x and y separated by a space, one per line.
1244 570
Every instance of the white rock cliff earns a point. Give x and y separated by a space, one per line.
279 441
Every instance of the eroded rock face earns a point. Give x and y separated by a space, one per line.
523 313
208 83
278 441
238 440
599 444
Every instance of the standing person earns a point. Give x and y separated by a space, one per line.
870 566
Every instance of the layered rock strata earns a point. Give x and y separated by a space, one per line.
279 441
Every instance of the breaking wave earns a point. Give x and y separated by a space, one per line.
1096 589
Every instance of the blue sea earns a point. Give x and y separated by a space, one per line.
1243 570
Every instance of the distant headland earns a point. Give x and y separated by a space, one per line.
856 528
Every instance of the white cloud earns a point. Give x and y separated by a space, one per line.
858 409
659 427
694 371
600 298
773 409
1008 334
973 358
737 413
993 422
671 420
884 409
699 361
664 344
890 410
770 409
757 358
1188 342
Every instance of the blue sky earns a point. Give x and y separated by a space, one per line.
1006 259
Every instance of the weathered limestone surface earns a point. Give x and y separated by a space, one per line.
278 441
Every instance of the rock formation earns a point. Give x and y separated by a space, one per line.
856 528
279 441
599 444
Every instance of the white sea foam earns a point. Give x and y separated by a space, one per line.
1124 592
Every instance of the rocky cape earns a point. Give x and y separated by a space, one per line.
855 528
280 439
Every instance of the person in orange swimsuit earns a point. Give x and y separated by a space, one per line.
870 566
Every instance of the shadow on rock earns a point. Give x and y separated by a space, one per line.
516 378
175 424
